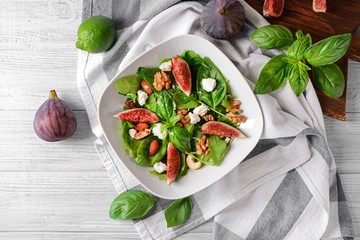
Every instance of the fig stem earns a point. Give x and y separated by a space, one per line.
52 94
222 11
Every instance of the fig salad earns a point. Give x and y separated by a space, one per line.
178 115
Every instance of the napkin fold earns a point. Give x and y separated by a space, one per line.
286 188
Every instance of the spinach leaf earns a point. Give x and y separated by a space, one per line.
272 76
144 158
178 212
328 51
182 101
161 176
127 84
151 103
190 128
297 49
165 60
218 149
131 144
215 97
183 166
180 137
329 79
225 102
148 74
192 59
165 106
298 78
272 37
299 34
131 204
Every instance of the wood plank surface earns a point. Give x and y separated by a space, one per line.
61 190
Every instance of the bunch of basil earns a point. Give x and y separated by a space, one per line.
136 204
321 56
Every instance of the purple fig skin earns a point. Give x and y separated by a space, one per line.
222 19
54 120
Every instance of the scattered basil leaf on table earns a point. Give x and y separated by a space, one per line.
178 212
214 98
131 204
128 84
297 49
298 78
329 79
165 106
180 137
328 51
272 76
272 37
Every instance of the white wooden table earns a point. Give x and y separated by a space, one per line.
61 190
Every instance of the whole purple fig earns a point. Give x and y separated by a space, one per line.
222 18
54 120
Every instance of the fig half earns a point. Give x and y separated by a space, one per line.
54 120
222 18
221 129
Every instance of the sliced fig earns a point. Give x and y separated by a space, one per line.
137 115
54 120
182 74
273 8
319 5
222 18
221 129
173 163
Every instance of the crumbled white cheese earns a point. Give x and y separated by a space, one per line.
142 97
194 118
160 167
208 84
201 110
227 139
157 131
166 66
173 86
132 133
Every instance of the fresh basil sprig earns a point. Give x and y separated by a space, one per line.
178 212
292 65
131 204
272 37
329 79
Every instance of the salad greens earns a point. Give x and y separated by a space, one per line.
292 65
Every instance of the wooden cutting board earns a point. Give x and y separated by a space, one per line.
342 16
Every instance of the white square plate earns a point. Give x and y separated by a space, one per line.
111 102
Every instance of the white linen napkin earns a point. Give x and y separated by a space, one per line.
288 186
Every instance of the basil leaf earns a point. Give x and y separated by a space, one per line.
131 204
299 34
151 103
165 106
215 97
127 84
298 78
165 60
297 49
182 101
190 128
328 51
218 149
131 144
194 61
178 212
148 74
180 137
144 158
272 37
183 166
161 176
329 79
272 76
